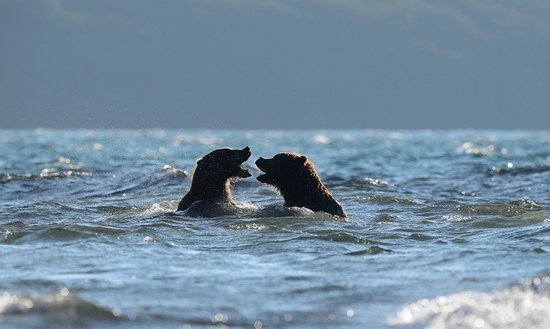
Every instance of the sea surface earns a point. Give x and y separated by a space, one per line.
447 229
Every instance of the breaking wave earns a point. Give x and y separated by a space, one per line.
521 306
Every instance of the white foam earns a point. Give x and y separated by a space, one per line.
174 171
517 307
247 205
455 218
249 226
161 207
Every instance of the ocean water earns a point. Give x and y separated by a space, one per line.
447 229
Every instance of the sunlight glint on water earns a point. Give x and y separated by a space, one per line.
447 230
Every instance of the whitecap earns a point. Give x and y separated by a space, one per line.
160 208
174 171
455 218
247 206
525 306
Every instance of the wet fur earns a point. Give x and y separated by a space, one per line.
301 186
211 178
203 187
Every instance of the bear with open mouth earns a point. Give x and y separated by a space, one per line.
295 177
212 174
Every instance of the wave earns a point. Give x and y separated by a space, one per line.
338 237
372 250
125 212
57 232
45 174
208 209
385 199
174 171
168 177
474 149
279 210
159 208
514 171
521 306
510 209
356 183
60 309
368 181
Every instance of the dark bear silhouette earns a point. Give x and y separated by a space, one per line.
295 177
211 176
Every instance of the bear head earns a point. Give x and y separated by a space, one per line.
282 169
225 163
295 177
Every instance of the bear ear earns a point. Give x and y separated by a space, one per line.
200 161
302 159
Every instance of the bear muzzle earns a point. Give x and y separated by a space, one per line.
244 173
262 164
245 155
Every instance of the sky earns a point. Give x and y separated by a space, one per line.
275 64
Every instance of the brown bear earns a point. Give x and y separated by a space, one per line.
211 176
295 177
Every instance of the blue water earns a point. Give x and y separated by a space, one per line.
447 229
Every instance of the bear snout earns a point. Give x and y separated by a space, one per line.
261 163
244 173
247 151
245 154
